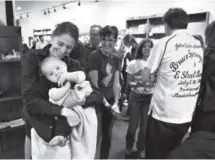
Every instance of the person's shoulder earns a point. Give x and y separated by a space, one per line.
86 45
132 62
74 62
95 54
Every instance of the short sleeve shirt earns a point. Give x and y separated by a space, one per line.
178 61
135 68
106 67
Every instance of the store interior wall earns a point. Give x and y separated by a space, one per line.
3 12
112 12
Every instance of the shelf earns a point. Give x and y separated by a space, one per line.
10 60
139 35
7 97
156 21
157 35
15 124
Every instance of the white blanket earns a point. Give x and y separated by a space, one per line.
83 137
42 150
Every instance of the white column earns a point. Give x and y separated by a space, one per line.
2 12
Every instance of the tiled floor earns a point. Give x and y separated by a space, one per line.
117 148
118 140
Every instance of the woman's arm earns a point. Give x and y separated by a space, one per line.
32 98
116 87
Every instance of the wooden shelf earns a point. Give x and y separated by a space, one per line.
10 60
9 97
157 20
139 35
157 35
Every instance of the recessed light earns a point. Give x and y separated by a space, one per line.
18 8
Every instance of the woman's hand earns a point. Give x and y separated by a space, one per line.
115 109
58 141
73 100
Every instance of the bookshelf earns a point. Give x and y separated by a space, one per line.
153 27
11 124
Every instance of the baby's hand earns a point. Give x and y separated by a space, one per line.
63 78
68 84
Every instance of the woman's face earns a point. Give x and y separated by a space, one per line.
146 49
62 45
107 45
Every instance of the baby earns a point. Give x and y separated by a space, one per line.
84 123
55 70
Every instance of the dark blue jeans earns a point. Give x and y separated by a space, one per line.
138 110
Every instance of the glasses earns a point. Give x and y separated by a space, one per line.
109 40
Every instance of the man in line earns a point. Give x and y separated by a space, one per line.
177 60
94 44
41 43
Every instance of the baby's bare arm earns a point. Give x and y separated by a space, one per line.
59 93
77 76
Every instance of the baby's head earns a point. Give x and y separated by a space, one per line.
52 68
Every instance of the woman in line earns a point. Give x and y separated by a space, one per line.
139 99
39 113
104 73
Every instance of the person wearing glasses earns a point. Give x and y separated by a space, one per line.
104 66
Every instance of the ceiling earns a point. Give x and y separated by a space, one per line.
29 6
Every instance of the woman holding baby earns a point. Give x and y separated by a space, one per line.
51 122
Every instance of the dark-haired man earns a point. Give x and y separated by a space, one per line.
94 44
41 43
177 59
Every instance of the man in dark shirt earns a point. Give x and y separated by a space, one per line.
94 44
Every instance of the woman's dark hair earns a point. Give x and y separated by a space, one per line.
130 41
139 54
176 18
107 31
210 35
67 28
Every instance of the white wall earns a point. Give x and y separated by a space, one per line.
3 12
112 12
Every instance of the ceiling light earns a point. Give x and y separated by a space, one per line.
18 8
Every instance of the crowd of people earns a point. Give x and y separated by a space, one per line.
73 93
